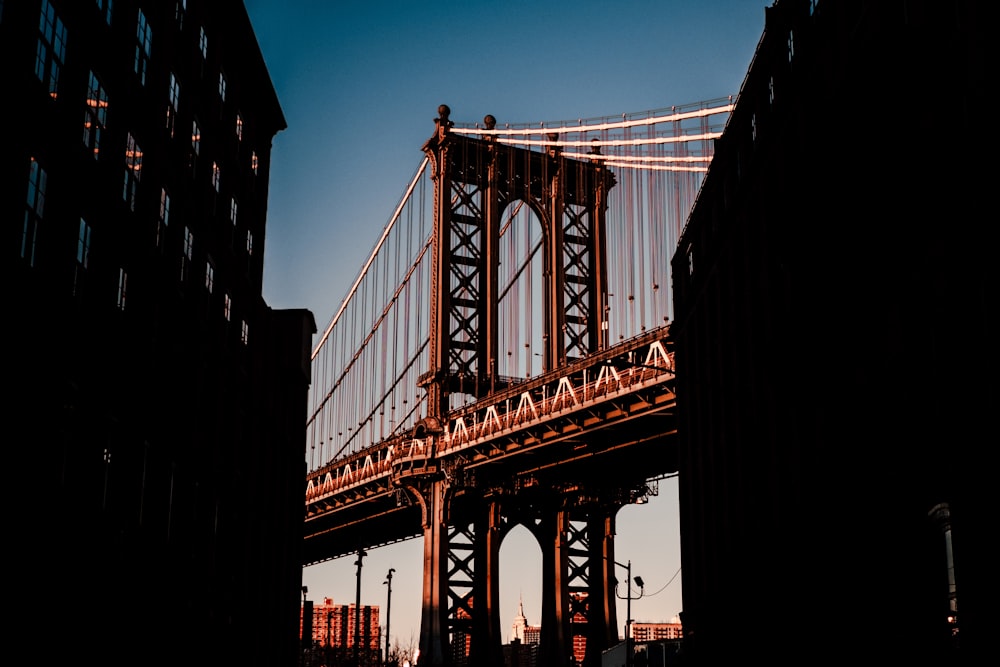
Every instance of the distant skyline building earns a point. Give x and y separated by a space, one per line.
520 629
333 627
160 402
645 632
522 649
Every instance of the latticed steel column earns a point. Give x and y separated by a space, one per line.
465 252
460 625
486 649
578 582
474 179
576 258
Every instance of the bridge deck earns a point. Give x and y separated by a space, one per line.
605 421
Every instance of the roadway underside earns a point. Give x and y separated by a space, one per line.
578 461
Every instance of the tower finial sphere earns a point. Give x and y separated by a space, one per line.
490 121
444 111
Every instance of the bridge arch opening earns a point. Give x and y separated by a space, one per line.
521 292
521 583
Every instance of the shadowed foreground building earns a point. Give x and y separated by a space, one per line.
162 401
835 344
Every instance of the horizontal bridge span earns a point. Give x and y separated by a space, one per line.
568 419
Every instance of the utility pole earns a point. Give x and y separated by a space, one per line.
357 613
388 607
628 608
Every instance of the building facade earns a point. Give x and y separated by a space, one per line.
834 347
646 632
333 634
163 401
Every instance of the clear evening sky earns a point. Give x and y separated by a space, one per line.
360 83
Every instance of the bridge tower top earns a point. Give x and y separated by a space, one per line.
477 183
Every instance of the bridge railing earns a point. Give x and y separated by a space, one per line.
574 387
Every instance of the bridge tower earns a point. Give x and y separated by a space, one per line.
474 182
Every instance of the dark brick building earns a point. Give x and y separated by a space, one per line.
835 344
158 403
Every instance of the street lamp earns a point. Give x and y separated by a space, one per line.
388 606
628 606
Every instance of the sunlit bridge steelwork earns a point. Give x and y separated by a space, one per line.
504 357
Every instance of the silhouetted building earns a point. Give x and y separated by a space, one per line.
653 653
835 300
160 403
520 654
333 629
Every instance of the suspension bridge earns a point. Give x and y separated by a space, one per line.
503 358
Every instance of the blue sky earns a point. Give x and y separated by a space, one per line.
360 83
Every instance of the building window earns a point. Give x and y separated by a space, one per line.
95 115
82 256
254 162
222 86
244 332
227 306
104 6
203 43
122 285
179 12
188 257
249 242
770 90
216 176
83 245
195 144
173 99
35 211
51 53
164 219
791 45
209 276
144 38
133 170
233 207
239 127
195 137
753 127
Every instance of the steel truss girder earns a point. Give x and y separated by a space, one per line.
634 424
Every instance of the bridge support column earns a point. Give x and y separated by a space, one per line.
433 636
460 622
487 640
602 617
578 582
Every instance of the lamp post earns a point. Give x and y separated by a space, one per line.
388 607
357 613
628 607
